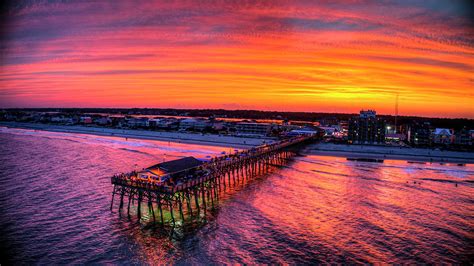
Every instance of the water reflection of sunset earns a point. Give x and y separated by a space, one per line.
314 209
353 205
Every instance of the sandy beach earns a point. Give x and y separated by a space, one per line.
348 151
395 153
192 138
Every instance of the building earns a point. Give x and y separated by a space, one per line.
328 121
463 137
103 120
252 129
286 128
366 129
163 123
443 136
218 125
61 119
176 168
153 123
86 120
138 122
195 124
419 134
303 131
395 137
329 131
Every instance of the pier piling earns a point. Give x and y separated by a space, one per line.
203 183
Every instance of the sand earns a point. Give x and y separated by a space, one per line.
394 153
194 138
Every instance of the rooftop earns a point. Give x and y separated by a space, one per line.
177 165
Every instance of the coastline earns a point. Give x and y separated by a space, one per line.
412 155
190 138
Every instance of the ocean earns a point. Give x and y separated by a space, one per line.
55 195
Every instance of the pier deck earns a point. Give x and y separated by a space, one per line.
194 187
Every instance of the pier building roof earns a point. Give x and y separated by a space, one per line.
177 165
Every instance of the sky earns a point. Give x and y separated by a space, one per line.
314 56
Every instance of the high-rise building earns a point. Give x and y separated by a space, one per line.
366 129
419 134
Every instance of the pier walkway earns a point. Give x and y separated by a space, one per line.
192 189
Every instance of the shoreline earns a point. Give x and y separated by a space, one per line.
177 137
411 155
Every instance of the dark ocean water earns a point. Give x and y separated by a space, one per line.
55 195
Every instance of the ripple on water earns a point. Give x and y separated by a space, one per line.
55 196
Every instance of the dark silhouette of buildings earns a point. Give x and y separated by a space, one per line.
419 134
366 129
464 137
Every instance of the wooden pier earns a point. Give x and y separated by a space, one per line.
187 193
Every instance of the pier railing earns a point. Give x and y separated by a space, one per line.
190 191
207 170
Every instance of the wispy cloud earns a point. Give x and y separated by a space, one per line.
295 55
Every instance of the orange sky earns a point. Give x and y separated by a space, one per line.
289 56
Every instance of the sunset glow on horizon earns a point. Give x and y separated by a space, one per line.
284 56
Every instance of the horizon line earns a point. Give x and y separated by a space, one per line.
259 110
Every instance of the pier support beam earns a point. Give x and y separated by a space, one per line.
203 192
130 195
122 193
222 181
150 207
139 209
209 195
188 203
180 206
170 203
113 195
158 201
196 200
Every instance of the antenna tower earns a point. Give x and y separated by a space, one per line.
396 113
